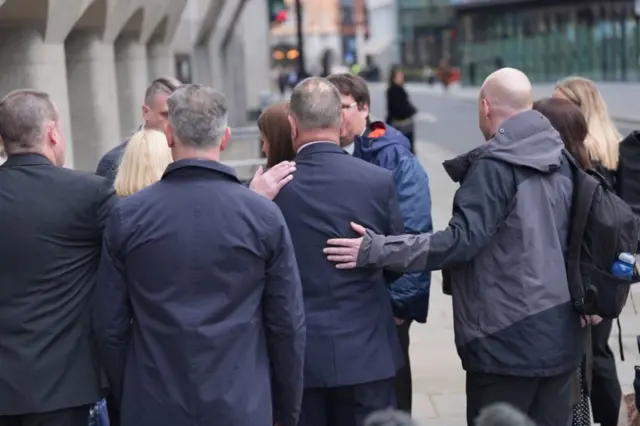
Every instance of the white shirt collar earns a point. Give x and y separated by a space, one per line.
309 144
352 147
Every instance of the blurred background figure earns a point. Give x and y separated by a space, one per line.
400 110
143 163
501 414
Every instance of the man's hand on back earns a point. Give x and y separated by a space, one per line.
269 183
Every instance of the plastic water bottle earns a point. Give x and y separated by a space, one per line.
623 267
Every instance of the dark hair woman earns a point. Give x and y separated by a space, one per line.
569 121
400 110
275 134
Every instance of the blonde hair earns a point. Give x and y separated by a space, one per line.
603 136
144 161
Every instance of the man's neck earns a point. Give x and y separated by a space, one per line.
196 154
305 139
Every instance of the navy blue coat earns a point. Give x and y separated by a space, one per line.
198 295
351 336
108 165
386 147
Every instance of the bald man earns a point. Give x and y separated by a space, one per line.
517 335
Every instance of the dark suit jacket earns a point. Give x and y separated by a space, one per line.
351 336
51 225
198 293
108 164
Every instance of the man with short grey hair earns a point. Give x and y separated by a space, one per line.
352 352
50 242
207 269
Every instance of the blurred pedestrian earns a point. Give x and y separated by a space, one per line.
602 144
352 350
386 147
400 110
198 278
51 234
154 114
508 278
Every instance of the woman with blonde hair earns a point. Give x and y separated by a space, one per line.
144 161
603 146
603 138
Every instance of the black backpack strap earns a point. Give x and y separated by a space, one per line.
584 188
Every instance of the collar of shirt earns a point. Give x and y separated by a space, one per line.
309 144
350 149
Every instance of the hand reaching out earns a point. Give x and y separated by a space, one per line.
269 183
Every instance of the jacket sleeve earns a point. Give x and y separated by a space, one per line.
111 307
410 293
285 325
479 207
105 201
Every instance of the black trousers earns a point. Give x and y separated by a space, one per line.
546 400
114 412
345 405
76 416
606 394
403 382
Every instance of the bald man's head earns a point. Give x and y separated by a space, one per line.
504 93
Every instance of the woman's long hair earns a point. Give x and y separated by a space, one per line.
274 125
144 161
603 137
570 123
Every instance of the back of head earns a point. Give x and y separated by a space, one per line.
144 161
603 137
316 108
504 94
502 414
508 90
198 116
273 124
24 115
389 418
568 120
352 85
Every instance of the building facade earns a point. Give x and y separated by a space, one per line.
96 58
548 40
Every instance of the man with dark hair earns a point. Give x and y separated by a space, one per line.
199 279
385 146
51 235
154 114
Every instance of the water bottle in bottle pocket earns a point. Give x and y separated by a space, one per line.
623 267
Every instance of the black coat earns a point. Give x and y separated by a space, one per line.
51 225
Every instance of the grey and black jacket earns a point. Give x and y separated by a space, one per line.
504 248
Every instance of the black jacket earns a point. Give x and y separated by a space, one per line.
398 105
51 224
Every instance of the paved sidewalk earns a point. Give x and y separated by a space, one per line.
438 378
621 98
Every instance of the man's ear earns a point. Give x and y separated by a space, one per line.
168 132
225 139
294 127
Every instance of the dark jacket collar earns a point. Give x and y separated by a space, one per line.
203 165
318 147
27 159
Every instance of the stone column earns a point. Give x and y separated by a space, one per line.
132 80
160 61
27 62
92 97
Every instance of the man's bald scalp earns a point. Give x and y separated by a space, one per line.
316 104
508 89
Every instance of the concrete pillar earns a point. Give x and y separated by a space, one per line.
27 62
131 77
160 61
202 73
92 97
